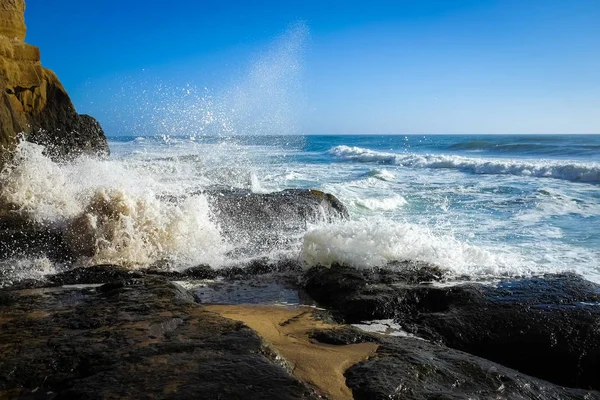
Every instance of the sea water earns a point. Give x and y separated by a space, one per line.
479 207
475 205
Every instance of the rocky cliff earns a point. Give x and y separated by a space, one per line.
32 99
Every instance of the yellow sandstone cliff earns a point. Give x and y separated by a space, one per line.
32 99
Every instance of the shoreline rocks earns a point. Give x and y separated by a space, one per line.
127 336
141 338
407 368
547 327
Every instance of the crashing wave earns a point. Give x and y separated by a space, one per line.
119 216
376 243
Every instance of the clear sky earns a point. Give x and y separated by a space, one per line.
404 66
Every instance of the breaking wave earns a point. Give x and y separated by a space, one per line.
376 243
109 213
564 170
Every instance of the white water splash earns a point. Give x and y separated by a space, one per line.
375 243
109 212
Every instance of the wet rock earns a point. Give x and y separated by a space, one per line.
376 293
136 338
407 368
245 208
194 273
547 327
261 222
281 271
92 275
343 335
262 266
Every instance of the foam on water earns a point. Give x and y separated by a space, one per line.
145 206
566 170
375 243
117 227
383 174
554 203
381 203
25 268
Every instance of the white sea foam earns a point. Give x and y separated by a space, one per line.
388 203
111 214
118 228
553 203
37 187
372 243
25 268
565 170
383 174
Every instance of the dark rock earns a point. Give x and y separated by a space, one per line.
197 272
133 338
548 327
261 222
66 134
407 368
262 266
281 271
364 294
245 270
7 298
94 275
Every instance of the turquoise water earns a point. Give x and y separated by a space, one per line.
481 206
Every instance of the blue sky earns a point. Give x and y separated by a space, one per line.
420 66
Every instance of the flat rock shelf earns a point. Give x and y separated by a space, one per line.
105 332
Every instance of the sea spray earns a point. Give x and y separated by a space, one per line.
110 213
130 231
17 269
377 243
264 98
268 100
36 187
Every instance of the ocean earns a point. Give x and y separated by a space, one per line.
480 207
